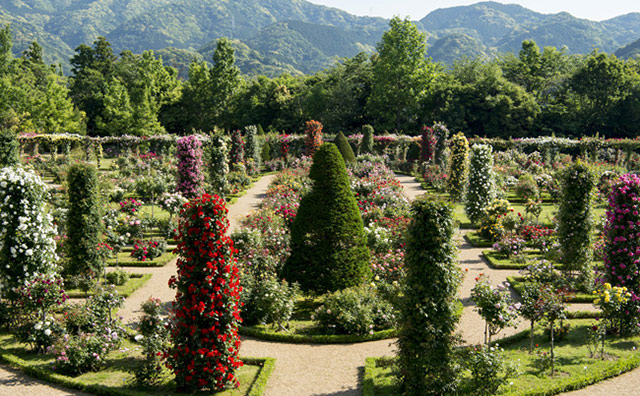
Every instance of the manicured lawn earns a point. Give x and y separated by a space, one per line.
135 282
115 379
575 368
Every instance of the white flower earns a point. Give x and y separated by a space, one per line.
139 337
47 332
38 326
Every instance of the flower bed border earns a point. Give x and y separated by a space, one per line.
476 240
157 262
516 284
257 388
135 282
267 335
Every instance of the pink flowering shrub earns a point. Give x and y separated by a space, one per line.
622 244
190 177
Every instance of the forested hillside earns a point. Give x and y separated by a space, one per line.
292 36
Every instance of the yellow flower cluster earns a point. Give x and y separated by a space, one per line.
619 295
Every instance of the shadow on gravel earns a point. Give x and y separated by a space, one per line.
348 392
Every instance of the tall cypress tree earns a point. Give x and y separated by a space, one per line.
345 148
328 244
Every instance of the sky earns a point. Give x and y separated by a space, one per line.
417 9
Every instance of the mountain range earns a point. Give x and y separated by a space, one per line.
294 36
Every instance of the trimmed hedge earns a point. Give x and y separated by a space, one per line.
135 282
315 339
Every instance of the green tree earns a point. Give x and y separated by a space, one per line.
9 149
345 148
401 75
328 244
6 43
429 309
55 112
225 83
117 116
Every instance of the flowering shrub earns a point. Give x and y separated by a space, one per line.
622 250
509 245
428 143
268 300
117 277
434 177
172 202
83 353
440 151
219 165
253 145
458 168
148 250
206 309
617 306
41 332
153 338
491 226
356 310
27 247
527 188
538 237
42 293
551 305
130 206
495 306
190 178
481 190
313 137
236 155
489 369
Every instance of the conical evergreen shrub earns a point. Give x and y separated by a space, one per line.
328 244
344 147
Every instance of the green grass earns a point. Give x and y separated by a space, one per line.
125 260
302 330
572 358
500 261
115 379
476 240
517 282
135 282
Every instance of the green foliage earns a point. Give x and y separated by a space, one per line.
366 146
400 75
84 223
252 146
266 152
117 277
458 167
218 165
527 188
429 309
575 222
356 310
328 244
268 300
481 190
489 369
9 149
345 148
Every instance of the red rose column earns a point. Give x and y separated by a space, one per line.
206 309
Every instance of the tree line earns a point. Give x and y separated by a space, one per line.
396 89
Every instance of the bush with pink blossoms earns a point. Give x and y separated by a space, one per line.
190 177
622 244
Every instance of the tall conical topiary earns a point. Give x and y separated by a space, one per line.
429 308
366 146
328 245
345 148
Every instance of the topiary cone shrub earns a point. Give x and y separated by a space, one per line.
328 244
429 308
190 177
345 148
237 148
458 167
206 311
84 223
313 138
